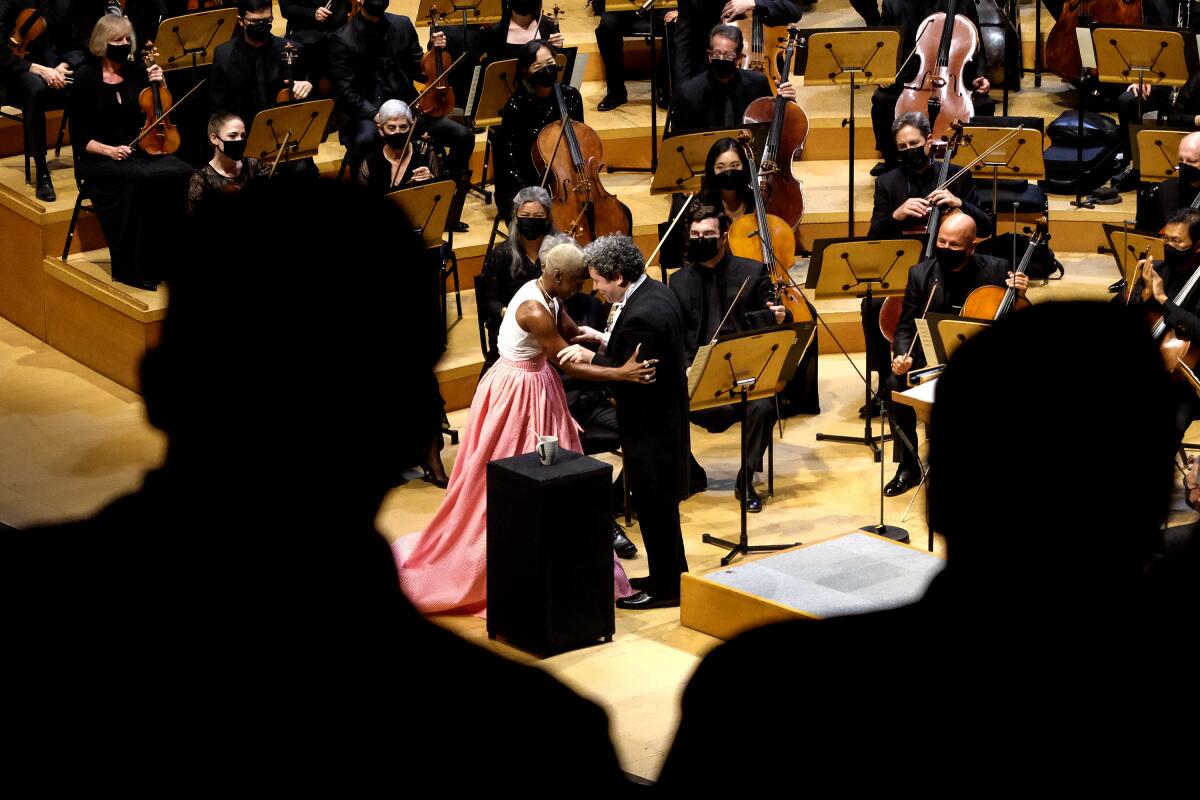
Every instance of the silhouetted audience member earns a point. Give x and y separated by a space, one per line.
1025 661
239 617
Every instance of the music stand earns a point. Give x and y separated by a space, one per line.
427 206
682 166
640 7
851 57
1020 158
741 367
1127 245
190 40
854 268
1156 152
472 12
295 129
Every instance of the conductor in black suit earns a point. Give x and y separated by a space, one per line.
719 96
653 419
709 289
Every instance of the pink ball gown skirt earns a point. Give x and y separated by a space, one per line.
443 569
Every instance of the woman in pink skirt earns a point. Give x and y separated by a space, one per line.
444 568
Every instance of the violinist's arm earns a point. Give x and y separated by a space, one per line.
533 317
1185 322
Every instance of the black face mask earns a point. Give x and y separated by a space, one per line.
949 260
731 179
1176 259
235 148
118 53
523 7
913 159
722 70
533 227
703 249
396 141
1189 173
546 76
258 31
375 7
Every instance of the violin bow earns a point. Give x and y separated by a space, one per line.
928 303
686 205
977 159
165 114
279 153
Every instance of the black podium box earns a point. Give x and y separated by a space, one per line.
549 552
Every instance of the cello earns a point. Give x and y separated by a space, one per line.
1177 353
766 237
994 302
572 157
763 53
1062 45
946 42
785 140
436 65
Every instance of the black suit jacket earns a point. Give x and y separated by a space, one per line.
234 87
988 272
700 102
653 419
892 188
1170 196
301 15
689 289
363 78
696 20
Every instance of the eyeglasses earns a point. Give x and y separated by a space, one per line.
1176 242
705 236
722 55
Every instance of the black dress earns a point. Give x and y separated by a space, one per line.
140 201
207 183
521 120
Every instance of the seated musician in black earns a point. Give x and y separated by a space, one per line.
521 23
230 169
951 275
532 107
145 15
37 81
248 70
696 20
400 160
311 23
718 98
725 185
374 58
610 32
706 288
903 202
1173 194
139 198
1161 284
908 15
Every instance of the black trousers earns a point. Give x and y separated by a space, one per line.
904 420
883 114
879 351
610 33
1127 113
658 518
35 98
141 205
760 416
360 137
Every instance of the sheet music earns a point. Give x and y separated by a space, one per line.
926 336
1087 49
576 80
469 108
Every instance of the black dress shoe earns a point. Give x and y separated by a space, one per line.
1127 180
644 600
612 101
621 544
901 483
430 476
45 189
149 286
876 409
460 227
641 584
753 501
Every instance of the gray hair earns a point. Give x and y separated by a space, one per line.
393 109
561 251
613 255
530 194
912 119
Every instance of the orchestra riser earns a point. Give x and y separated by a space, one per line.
12 139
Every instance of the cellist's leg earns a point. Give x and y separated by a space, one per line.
883 113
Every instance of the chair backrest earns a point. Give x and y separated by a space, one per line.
483 343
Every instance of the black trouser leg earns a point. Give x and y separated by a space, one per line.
904 419
878 349
1127 114
760 416
609 41
458 141
662 536
36 97
358 136
883 114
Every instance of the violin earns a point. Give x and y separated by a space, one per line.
159 137
764 50
767 238
573 158
785 140
28 28
436 65
1062 45
288 56
994 302
946 41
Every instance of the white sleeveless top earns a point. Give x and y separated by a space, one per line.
513 342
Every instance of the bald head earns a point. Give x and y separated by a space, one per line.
1189 151
957 232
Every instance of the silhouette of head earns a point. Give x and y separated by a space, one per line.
1051 447
299 343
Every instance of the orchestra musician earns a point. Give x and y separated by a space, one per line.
957 269
310 23
718 97
697 18
139 198
908 16
230 169
522 22
248 70
38 81
611 30
397 162
707 289
143 14
374 58
725 185
532 107
1176 193
1161 282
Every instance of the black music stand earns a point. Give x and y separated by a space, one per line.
1019 158
641 8
736 369
473 12
852 268
836 57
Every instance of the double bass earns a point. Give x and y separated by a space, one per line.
572 157
1062 45
946 42
785 140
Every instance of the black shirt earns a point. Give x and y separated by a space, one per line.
705 102
107 113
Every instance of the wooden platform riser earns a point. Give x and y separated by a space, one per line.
12 140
